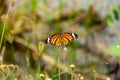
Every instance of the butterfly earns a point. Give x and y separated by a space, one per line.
61 39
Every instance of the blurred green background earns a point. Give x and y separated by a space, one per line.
24 26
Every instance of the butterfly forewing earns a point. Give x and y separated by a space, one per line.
65 40
68 36
54 38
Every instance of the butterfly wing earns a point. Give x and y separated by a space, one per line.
54 39
68 37
59 42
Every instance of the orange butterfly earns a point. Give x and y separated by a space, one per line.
61 39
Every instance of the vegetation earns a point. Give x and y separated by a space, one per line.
25 25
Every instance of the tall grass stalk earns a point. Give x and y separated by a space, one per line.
60 51
59 64
72 77
94 75
4 25
94 78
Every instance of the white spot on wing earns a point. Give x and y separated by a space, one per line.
73 35
48 40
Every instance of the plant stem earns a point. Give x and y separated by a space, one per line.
4 25
117 32
71 77
59 64
60 74
94 75
94 78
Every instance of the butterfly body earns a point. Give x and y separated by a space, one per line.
61 39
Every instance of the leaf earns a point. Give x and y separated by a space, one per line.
110 23
109 17
114 49
116 14
109 20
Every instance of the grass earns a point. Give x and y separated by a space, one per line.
54 73
5 22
